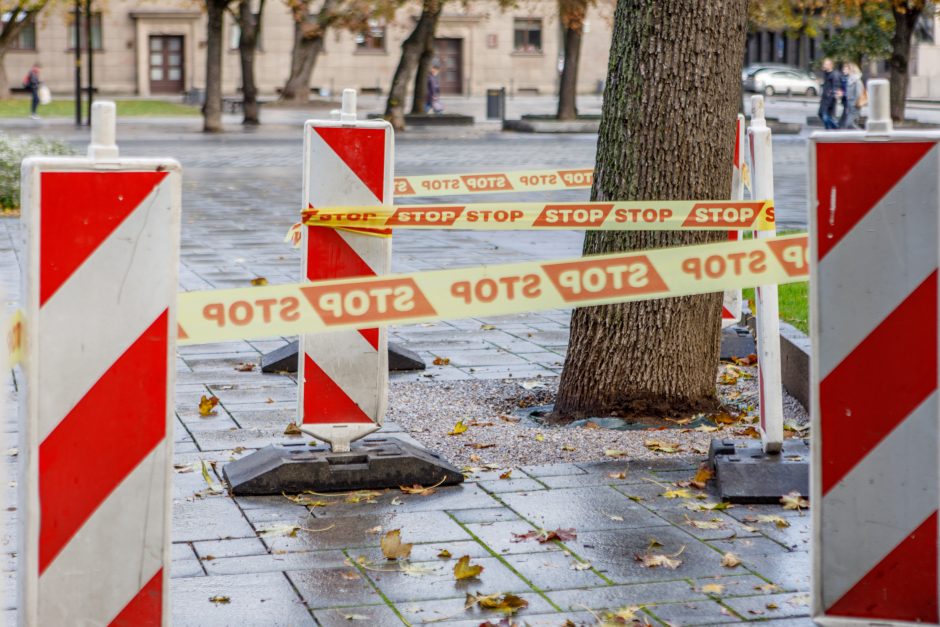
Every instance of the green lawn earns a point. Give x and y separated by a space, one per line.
19 108
794 303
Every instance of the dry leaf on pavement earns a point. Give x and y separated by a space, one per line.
463 569
658 446
220 599
293 429
657 560
505 603
713 588
441 361
544 536
794 500
259 281
392 546
780 521
730 560
207 405
245 366
459 428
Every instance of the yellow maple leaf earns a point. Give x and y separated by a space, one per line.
459 428
463 569
207 405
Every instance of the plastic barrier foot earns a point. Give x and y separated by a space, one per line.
284 359
372 464
745 474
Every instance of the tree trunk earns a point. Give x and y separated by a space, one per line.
900 58
249 30
309 33
421 74
411 50
667 131
4 81
212 108
568 86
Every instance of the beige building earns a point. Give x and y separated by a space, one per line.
149 47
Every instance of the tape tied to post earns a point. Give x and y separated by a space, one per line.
620 215
482 291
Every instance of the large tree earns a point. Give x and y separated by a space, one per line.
572 14
667 131
415 45
17 16
212 107
249 31
906 13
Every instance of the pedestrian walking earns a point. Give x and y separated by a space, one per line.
33 83
854 96
433 101
831 93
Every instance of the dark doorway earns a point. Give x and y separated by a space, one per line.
450 54
166 64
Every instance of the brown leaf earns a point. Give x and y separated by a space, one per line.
478 446
780 521
245 366
505 603
444 554
591 425
617 475
506 474
207 405
220 599
748 432
730 560
463 569
658 560
259 281
662 447
441 361
420 490
293 429
544 536
392 546
794 500
750 360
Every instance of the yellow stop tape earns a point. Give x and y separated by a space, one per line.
488 183
295 309
647 215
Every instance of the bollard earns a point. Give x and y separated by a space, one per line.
731 305
874 201
770 379
100 289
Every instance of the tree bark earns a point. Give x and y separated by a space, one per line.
249 31
411 50
900 58
421 74
10 31
667 131
309 33
212 108
568 86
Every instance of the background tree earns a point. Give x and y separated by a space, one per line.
794 18
422 70
415 45
667 131
868 39
906 13
17 16
212 108
249 32
572 14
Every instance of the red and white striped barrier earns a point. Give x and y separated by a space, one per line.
731 305
873 220
100 297
343 377
770 378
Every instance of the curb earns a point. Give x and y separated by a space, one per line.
795 348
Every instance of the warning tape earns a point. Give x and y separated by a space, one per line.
626 215
519 181
295 309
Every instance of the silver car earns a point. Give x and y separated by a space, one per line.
782 81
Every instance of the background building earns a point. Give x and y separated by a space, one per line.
150 48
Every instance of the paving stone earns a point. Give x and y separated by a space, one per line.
736 584
614 597
585 509
693 613
552 470
265 418
400 587
258 599
583 481
580 619
274 562
504 486
789 570
785 622
230 548
553 571
771 606
456 498
182 551
448 610
499 537
186 568
378 615
484 515
212 518
427 552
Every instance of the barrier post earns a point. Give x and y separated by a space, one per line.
770 379
731 305
100 290
874 201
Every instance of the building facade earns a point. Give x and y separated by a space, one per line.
150 48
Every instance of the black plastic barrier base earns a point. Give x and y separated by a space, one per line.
372 464
745 474
284 359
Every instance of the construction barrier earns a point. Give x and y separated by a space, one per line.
488 183
731 304
874 202
100 290
343 377
294 309
619 215
769 375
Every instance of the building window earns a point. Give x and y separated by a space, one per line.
373 37
528 34
26 39
95 32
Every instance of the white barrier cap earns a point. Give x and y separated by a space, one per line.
348 113
879 107
103 131
757 112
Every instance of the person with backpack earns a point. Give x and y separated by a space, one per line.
32 83
855 96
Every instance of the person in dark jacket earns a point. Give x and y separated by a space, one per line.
831 93
32 83
433 102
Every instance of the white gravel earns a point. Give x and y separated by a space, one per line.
429 411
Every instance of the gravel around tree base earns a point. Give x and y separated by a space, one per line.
430 410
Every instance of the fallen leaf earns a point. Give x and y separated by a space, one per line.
392 546
730 560
352 617
612 452
676 494
505 603
581 566
269 401
617 475
539 437
728 378
794 500
293 429
703 476
480 447
183 468
397 501
220 599
506 474
245 366
475 458
659 446
487 327
510 419
459 428
364 496
591 425
772 606
568 447
213 487
374 530
750 360
287 531
444 554
748 432
707 506
623 616
419 489
207 405
544 536
259 281
463 569
768 588
780 521
659 560
713 588
705 524
350 575
441 361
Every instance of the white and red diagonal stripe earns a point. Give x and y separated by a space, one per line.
344 375
876 418
731 304
103 278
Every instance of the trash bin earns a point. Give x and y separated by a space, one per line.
496 104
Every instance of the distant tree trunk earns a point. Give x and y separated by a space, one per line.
411 50
421 75
249 31
309 33
900 57
17 19
568 86
667 131
212 108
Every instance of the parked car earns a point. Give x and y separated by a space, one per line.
782 81
754 68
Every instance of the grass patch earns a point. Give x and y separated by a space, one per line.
19 108
793 299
